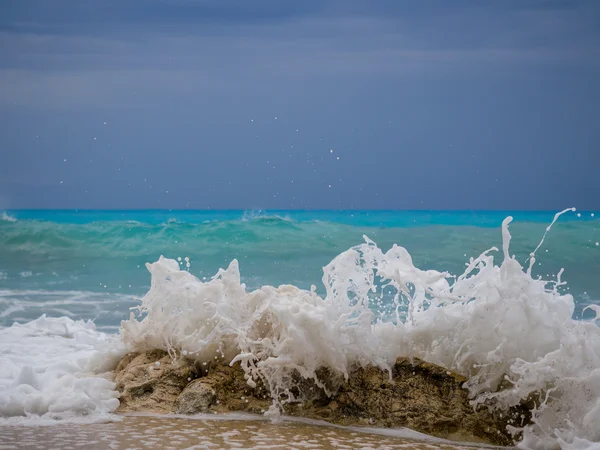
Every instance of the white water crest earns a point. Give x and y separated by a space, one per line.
494 324
7 217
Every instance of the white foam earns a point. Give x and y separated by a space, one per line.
491 323
57 369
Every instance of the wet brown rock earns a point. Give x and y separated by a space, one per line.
197 397
420 396
417 395
152 381
223 389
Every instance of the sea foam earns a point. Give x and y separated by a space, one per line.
57 369
495 324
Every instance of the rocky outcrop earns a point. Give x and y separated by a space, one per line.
418 395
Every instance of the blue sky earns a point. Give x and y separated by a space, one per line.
240 103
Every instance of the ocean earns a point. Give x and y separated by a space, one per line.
71 280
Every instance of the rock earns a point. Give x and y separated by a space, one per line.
197 397
232 392
418 395
152 381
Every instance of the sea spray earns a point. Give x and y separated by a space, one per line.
513 336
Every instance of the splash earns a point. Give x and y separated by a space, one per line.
511 335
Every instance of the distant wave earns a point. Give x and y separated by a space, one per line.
260 215
7 218
131 238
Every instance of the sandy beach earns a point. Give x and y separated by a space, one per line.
144 432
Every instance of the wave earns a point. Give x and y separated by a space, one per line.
42 237
106 309
511 334
130 237
265 216
7 218
271 249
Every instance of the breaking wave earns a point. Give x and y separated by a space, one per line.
494 324
511 334
7 217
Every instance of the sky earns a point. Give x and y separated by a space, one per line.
273 104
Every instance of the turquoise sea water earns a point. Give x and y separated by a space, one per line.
91 264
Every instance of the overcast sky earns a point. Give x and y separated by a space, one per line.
300 104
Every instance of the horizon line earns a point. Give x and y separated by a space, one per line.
286 210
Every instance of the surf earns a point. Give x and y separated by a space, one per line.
494 324
510 332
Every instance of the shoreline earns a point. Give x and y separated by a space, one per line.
147 430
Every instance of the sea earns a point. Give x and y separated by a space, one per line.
494 295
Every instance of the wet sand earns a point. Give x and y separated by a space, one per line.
159 432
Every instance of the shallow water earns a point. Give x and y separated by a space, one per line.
144 432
